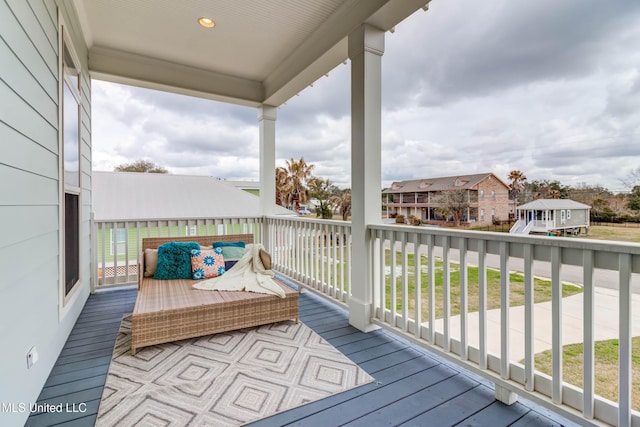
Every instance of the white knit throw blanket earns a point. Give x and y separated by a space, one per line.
248 275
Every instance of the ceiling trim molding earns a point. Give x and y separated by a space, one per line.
327 47
328 41
130 68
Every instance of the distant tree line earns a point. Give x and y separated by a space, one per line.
605 205
142 166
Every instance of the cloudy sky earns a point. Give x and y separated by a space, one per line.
549 87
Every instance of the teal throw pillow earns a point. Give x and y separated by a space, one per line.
174 260
231 251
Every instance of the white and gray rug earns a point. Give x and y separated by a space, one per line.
222 380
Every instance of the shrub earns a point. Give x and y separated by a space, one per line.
400 219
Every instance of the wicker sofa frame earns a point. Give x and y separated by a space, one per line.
172 310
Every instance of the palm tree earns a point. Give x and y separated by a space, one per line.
343 202
516 183
554 194
292 183
282 187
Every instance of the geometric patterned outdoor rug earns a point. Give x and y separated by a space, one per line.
226 379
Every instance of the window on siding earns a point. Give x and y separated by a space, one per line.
70 130
493 195
481 214
481 194
493 214
568 214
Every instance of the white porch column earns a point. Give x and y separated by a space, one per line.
366 46
267 124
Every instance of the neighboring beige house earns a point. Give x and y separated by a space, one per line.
487 195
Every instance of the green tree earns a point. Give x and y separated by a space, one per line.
455 203
144 166
325 193
633 201
546 190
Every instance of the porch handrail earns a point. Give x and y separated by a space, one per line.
314 252
405 315
317 254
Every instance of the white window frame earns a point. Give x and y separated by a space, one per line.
481 194
481 214
493 213
563 216
493 194
568 214
65 42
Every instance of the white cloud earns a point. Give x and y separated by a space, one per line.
552 89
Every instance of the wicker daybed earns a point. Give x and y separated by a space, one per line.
172 310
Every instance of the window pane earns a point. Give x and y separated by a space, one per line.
70 69
71 241
71 138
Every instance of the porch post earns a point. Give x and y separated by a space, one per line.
267 125
366 46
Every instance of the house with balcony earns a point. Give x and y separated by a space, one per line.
558 216
59 325
486 198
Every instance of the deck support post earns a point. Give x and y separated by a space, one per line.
267 127
366 46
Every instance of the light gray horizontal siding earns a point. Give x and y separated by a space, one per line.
22 117
31 157
14 73
20 43
21 188
24 14
30 195
47 19
24 224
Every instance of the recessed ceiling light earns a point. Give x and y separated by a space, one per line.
206 22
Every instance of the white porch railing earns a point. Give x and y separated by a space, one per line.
316 253
400 253
117 244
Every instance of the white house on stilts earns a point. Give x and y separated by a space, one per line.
552 217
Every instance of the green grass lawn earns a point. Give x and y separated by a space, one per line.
542 288
606 370
621 234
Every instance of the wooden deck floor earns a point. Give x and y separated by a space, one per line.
413 387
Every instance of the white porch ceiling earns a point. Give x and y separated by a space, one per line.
260 51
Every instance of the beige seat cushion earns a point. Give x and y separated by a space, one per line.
150 262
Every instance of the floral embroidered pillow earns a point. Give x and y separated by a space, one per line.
207 263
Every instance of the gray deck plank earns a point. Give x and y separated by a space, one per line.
458 409
411 406
348 411
80 371
533 419
411 386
